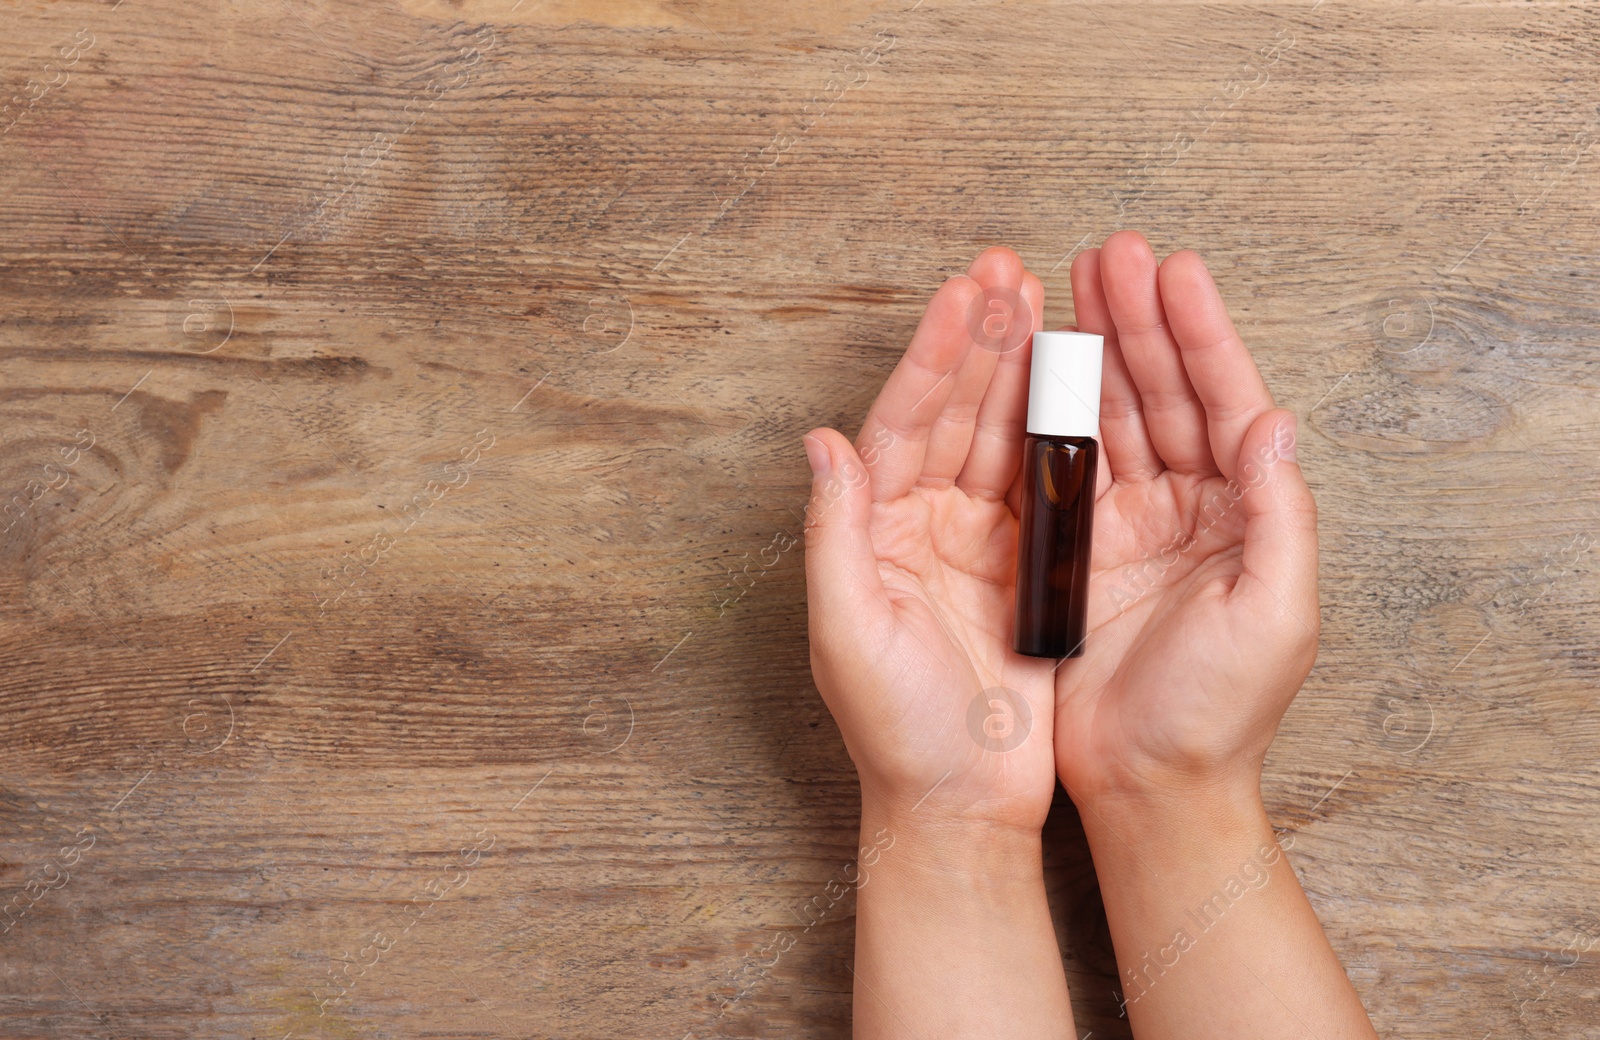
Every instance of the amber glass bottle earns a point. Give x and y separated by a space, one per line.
1060 459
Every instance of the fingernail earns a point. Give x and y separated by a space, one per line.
1283 438
817 455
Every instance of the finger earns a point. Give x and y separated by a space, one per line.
997 435
844 591
1172 413
894 438
1220 368
1279 575
1130 455
1002 324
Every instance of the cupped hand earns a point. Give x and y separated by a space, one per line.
1203 614
911 563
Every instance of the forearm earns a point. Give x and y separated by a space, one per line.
1214 935
953 935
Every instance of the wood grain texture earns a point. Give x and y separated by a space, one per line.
407 636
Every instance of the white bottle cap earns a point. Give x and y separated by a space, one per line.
1064 384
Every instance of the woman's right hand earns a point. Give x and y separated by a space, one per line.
1203 615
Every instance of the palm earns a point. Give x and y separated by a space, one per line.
947 560
1154 614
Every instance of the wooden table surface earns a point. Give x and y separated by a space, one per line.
402 619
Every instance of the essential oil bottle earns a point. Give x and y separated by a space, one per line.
1060 457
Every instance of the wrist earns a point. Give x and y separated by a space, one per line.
1177 827
953 929
953 806
917 843
1169 794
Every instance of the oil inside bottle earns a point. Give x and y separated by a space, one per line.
1054 536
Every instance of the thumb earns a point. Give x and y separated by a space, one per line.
843 588
1280 534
